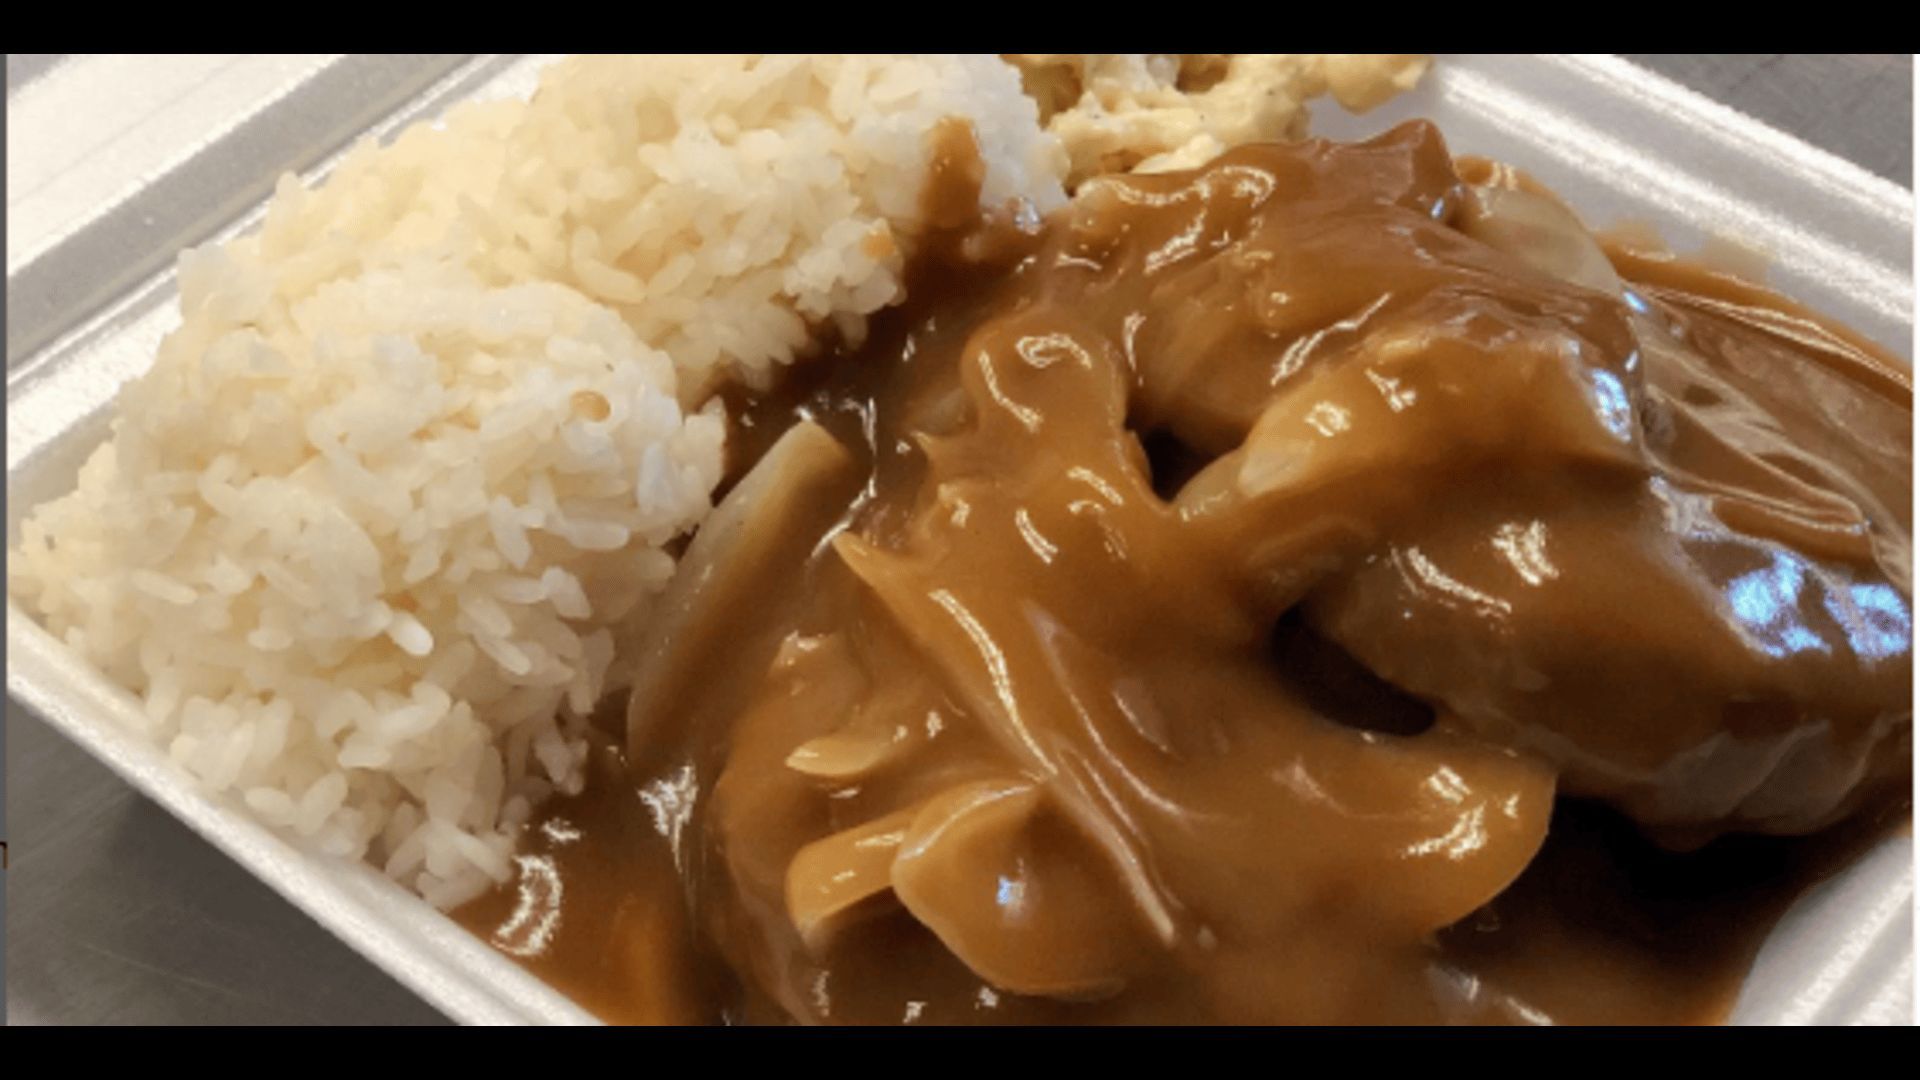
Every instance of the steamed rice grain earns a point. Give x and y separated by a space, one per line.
370 536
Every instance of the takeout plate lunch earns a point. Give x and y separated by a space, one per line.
1619 143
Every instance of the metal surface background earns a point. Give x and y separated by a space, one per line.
118 913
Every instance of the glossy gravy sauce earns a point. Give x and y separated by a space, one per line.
1323 587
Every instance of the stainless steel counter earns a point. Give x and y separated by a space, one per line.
116 913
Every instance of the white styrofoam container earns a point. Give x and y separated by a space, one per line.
1618 142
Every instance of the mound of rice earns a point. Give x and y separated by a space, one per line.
368 538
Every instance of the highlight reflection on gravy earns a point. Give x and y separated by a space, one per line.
1324 587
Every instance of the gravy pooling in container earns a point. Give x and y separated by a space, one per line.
1314 589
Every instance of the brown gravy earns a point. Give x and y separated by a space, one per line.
1603 927
1293 591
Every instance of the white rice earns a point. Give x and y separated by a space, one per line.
369 537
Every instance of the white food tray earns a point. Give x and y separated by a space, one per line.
1621 144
